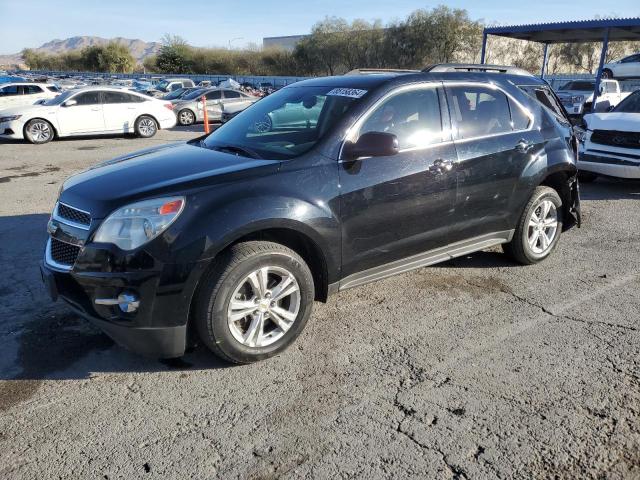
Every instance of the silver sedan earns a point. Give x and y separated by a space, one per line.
190 109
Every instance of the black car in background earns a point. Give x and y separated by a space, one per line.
324 185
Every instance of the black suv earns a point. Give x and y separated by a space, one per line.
327 184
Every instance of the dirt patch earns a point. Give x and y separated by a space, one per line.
456 285
14 392
46 170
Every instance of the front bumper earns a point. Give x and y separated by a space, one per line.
158 327
612 164
12 130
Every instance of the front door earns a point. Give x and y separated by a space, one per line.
397 206
494 143
84 117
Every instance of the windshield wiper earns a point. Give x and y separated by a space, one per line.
237 150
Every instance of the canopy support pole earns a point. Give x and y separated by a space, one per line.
484 48
545 60
603 56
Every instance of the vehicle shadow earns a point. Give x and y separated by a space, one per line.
42 340
606 188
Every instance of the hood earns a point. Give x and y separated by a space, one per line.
619 121
168 169
28 109
571 93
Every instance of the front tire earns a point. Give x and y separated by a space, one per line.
539 228
146 126
254 301
186 117
38 131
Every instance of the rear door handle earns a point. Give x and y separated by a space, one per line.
523 146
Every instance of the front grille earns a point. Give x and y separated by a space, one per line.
64 253
616 139
73 214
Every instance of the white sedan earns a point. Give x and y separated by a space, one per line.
628 67
88 111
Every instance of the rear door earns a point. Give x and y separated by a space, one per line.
120 111
494 143
397 206
86 116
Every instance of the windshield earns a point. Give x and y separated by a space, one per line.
162 85
287 123
60 98
195 94
631 104
175 94
579 86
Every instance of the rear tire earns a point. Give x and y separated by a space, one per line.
254 301
539 228
606 73
146 126
586 177
38 131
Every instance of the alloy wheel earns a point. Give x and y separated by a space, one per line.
40 131
264 306
147 127
543 227
186 117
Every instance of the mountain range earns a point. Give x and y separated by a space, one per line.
138 48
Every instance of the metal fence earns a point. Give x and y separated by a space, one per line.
556 81
276 81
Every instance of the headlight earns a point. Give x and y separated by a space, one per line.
577 99
9 119
138 223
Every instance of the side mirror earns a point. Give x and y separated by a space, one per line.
70 103
372 144
601 89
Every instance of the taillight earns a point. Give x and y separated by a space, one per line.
169 106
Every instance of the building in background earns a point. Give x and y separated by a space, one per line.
287 43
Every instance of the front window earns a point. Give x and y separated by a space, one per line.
579 86
412 116
631 104
162 86
286 124
175 94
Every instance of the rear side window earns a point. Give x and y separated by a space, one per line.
479 111
231 94
543 95
120 97
31 89
412 116
519 118
215 95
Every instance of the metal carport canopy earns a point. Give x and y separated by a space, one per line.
581 31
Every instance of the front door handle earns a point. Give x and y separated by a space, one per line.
523 146
441 166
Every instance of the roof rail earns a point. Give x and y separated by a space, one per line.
473 67
378 71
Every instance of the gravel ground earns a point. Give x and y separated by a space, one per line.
476 368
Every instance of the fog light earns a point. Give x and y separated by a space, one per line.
127 302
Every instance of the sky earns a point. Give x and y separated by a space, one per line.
30 23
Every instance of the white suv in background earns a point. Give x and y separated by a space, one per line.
88 111
628 67
25 93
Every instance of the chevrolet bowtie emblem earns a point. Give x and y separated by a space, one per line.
52 228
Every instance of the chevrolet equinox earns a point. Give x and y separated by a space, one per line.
327 184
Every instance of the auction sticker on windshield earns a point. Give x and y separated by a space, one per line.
347 92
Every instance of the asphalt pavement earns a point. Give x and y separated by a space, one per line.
476 368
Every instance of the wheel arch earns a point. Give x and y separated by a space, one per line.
53 125
135 122
562 181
